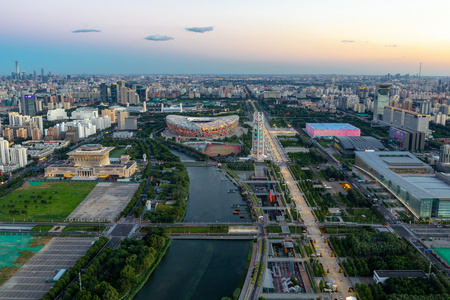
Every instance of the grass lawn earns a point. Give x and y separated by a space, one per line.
44 202
274 229
164 207
117 152
84 228
325 144
42 228
348 229
363 215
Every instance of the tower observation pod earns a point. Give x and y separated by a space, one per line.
258 135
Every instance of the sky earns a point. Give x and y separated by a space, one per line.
226 36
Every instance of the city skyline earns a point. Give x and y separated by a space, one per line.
236 37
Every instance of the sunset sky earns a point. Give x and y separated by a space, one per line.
225 36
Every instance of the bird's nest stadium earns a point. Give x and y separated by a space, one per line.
213 127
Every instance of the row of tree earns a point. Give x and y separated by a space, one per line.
82 263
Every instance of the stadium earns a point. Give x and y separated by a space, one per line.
202 127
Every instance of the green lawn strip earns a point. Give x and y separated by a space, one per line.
348 229
42 228
45 202
274 229
164 207
117 152
92 228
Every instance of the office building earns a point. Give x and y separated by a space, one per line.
27 106
406 119
121 116
405 139
424 193
103 93
444 154
142 93
381 100
114 93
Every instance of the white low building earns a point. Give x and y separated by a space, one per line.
56 114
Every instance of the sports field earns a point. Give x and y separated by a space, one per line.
43 201
214 149
444 253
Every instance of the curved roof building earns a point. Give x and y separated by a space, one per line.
201 127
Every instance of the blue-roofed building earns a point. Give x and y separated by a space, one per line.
331 129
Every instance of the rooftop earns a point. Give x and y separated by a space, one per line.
331 126
423 186
360 143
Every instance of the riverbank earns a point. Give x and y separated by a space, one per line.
146 275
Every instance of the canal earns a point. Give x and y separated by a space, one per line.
202 269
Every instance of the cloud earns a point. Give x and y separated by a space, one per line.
347 41
393 46
86 30
159 38
200 29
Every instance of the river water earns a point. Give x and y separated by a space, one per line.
202 269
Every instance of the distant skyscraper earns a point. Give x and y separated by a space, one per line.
258 135
27 106
103 93
381 100
114 93
17 69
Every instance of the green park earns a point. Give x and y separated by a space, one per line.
43 201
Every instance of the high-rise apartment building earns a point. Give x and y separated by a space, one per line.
4 152
36 134
381 100
19 155
8 134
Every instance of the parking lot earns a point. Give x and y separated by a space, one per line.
29 281
104 202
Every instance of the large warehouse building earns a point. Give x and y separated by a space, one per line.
424 193
347 145
331 129
213 127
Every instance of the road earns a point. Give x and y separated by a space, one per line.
330 264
